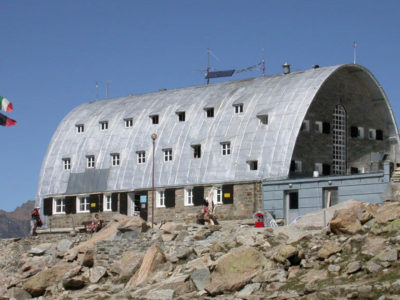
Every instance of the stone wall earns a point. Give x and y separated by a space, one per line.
67 220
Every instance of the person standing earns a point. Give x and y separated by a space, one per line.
35 221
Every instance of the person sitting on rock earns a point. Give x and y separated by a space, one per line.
96 224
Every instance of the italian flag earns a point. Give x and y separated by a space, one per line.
7 121
5 105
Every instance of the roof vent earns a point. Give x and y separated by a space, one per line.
315 66
286 68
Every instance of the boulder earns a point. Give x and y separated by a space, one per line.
353 267
132 224
96 273
171 227
200 278
40 249
345 221
248 290
328 248
16 293
88 258
235 269
285 253
37 284
127 265
388 254
153 258
160 295
314 275
387 212
73 283
64 245
372 246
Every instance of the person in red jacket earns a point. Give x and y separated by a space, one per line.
35 221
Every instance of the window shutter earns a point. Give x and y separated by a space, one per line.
292 166
326 169
326 127
227 194
198 195
48 206
123 203
353 131
170 198
114 202
93 206
379 134
100 201
70 204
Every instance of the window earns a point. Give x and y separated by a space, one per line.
196 151
238 108
59 206
160 199
318 168
360 132
318 126
372 134
295 166
115 159
128 122
293 200
226 148
83 204
103 125
66 163
154 119
141 157
90 161
107 203
181 116
167 154
339 139
188 196
253 164
217 195
305 126
209 112
263 119
80 128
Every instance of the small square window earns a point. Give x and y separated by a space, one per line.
253 165
318 126
263 119
90 161
141 157
295 166
59 206
372 134
188 196
226 148
128 122
160 199
196 151
115 160
66 163
181 116
107 203
80 128
167 154
83 204
154 119
103 125
238 108
305 126
209 112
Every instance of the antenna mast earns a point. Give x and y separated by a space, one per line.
354 52
97 90
107 87
263 62
208 64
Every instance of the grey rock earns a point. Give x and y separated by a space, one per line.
16 293
248 290
333 268
353 267
73 283
96 273
389 254
372 267
200 278
64 245
160 295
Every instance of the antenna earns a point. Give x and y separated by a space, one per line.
263 62
208 64
354 52
107 87
97 90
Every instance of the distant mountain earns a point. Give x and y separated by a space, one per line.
17 222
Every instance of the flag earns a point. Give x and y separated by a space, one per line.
5 105
4 121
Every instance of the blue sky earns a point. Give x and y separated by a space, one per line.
53 52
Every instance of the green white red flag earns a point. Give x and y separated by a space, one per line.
5 121
5 105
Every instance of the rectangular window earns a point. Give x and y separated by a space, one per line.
217 195
154 119
80 128
253 164
238 108
305 126
115 159
160 198
66 163
196 151
59 206
226 148
90 161
318 126
181 116
372 134
83 204
293 200
103 125
141 157
188 196
318 168
128 122
209 112
107 203
263 119
360 132
295 166
167 154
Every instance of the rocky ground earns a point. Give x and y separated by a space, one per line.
356 257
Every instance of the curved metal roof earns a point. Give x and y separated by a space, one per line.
285 98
